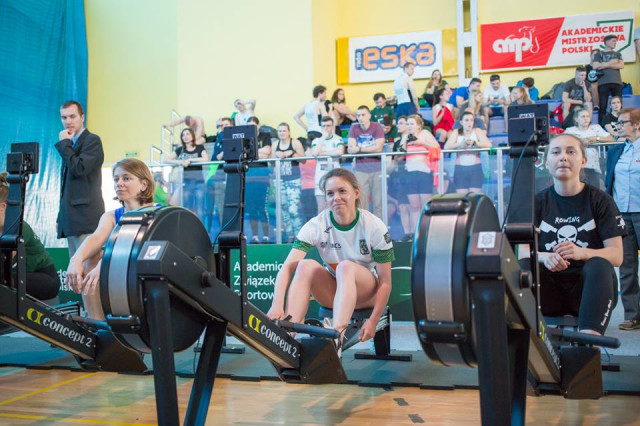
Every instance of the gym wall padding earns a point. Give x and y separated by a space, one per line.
265 260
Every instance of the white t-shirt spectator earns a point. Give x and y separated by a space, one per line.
402 86
241 118
592 152
489 95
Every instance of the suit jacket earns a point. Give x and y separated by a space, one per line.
81 203
613 155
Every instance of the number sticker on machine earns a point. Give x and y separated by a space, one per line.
486 240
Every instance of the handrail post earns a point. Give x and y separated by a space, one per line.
278 202
500 182
383 188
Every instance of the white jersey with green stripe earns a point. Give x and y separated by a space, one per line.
365 241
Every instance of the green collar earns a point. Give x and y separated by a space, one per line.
349 226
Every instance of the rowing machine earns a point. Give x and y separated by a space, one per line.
474 306
162 285
93 348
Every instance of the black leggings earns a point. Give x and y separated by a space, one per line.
42 284
590 294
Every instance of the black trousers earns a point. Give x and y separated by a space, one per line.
42 284
590 294
603 93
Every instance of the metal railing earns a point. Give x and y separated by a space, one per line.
495 159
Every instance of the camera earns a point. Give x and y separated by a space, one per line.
411 138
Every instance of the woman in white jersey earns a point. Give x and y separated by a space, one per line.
356 250
468 174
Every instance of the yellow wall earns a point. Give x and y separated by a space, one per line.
197 56
245 49
356 18
132 72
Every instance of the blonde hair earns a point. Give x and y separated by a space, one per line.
472 101
418 119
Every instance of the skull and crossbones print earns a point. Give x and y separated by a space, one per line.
567 233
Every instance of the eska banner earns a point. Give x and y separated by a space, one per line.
553 42
380 58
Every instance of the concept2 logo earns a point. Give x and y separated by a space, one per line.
373 58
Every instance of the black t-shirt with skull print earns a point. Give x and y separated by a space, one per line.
587 219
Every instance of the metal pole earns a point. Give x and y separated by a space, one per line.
500 168
383 188
278 203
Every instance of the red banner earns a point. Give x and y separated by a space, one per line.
553 41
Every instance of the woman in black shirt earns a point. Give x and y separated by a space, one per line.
193 177
580 240
612 116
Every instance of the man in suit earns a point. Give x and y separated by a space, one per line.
81 203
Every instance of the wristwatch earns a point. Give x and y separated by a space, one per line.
597 138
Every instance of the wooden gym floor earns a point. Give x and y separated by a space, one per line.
43 397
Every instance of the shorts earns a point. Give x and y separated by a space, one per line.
406 109
397 186
468 176
419 183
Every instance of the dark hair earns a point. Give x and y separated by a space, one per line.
616 97
378 96
609 37
581 69
475 80
401 117
461 130
387 121
364 107
406 64
318 90
334 97
227 119
343 174
142 172
328 118
494 77
437 94
4 187
193 136
254 120
67 104
528 81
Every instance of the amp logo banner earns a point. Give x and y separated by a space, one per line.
552 42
